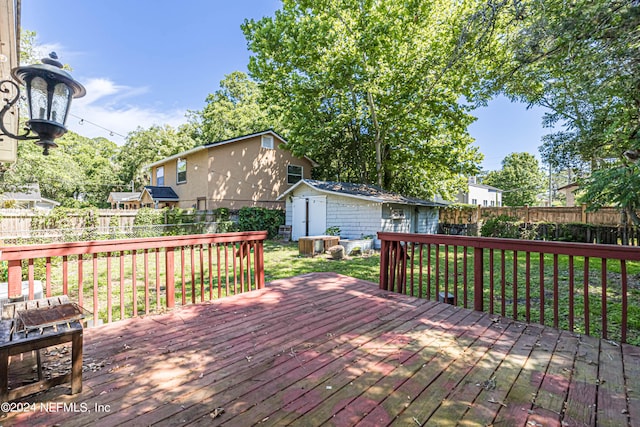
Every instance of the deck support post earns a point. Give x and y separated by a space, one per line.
384 264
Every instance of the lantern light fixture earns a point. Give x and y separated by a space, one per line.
49 91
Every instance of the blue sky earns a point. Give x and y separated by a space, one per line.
147 62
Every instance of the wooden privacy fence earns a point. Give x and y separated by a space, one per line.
129 277
584 288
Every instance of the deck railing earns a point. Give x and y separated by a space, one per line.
585 288
116 279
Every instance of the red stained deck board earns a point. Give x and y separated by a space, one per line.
325 348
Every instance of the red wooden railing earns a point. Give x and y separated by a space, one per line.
579 287
130 277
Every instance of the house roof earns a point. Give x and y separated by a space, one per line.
486 187
572 185
218 144
31 194
360 191
161 194
117 197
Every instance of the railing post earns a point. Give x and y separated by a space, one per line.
384 264
171 281
259 264
15 278
478 275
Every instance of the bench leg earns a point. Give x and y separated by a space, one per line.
76 363
4 375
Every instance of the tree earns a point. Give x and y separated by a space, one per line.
145 146
231 111
581 60
520 179
372 90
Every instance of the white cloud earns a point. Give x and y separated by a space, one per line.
105 114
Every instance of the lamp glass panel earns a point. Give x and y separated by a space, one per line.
60 103
38 99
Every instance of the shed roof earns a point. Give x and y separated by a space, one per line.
361 191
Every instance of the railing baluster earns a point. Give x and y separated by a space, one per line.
122 314
446 273
528 286
48 283
134 282
80 282
96 309
413 252
571 294
31 277
541 288
235 267
65 275
587 320
420 271
183 288
478 279
603 272
210 269
158 302
429 271
437 293
202 290
193 275
515 285
492 281
146 280
503 283
465 276
109 290
624 285
219 268
455 275
169 268
556 291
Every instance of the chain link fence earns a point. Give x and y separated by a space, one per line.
33 237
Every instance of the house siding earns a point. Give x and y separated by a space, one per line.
234 175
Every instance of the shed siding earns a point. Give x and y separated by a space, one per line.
356 218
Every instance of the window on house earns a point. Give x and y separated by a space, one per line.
181 171
267 141
474 201
493 203
294 174
160 176
484 203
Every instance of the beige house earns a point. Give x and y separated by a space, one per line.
250 170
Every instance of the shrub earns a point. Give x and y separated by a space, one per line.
332 231
258 219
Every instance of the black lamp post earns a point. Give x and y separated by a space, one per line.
49 93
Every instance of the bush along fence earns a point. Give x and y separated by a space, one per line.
67 225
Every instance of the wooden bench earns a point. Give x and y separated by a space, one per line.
16 339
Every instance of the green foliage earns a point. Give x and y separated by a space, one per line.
502 226
145 146
332 231
520 178
231 111
372 90
149 216
221 214
258 219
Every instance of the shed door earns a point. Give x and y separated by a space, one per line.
309 216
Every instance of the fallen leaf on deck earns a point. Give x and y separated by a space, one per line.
216 412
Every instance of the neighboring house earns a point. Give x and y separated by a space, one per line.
29 199
480 194
357 209
569 191
158 197
250 170
124 200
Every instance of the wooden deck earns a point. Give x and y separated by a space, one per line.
325 349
